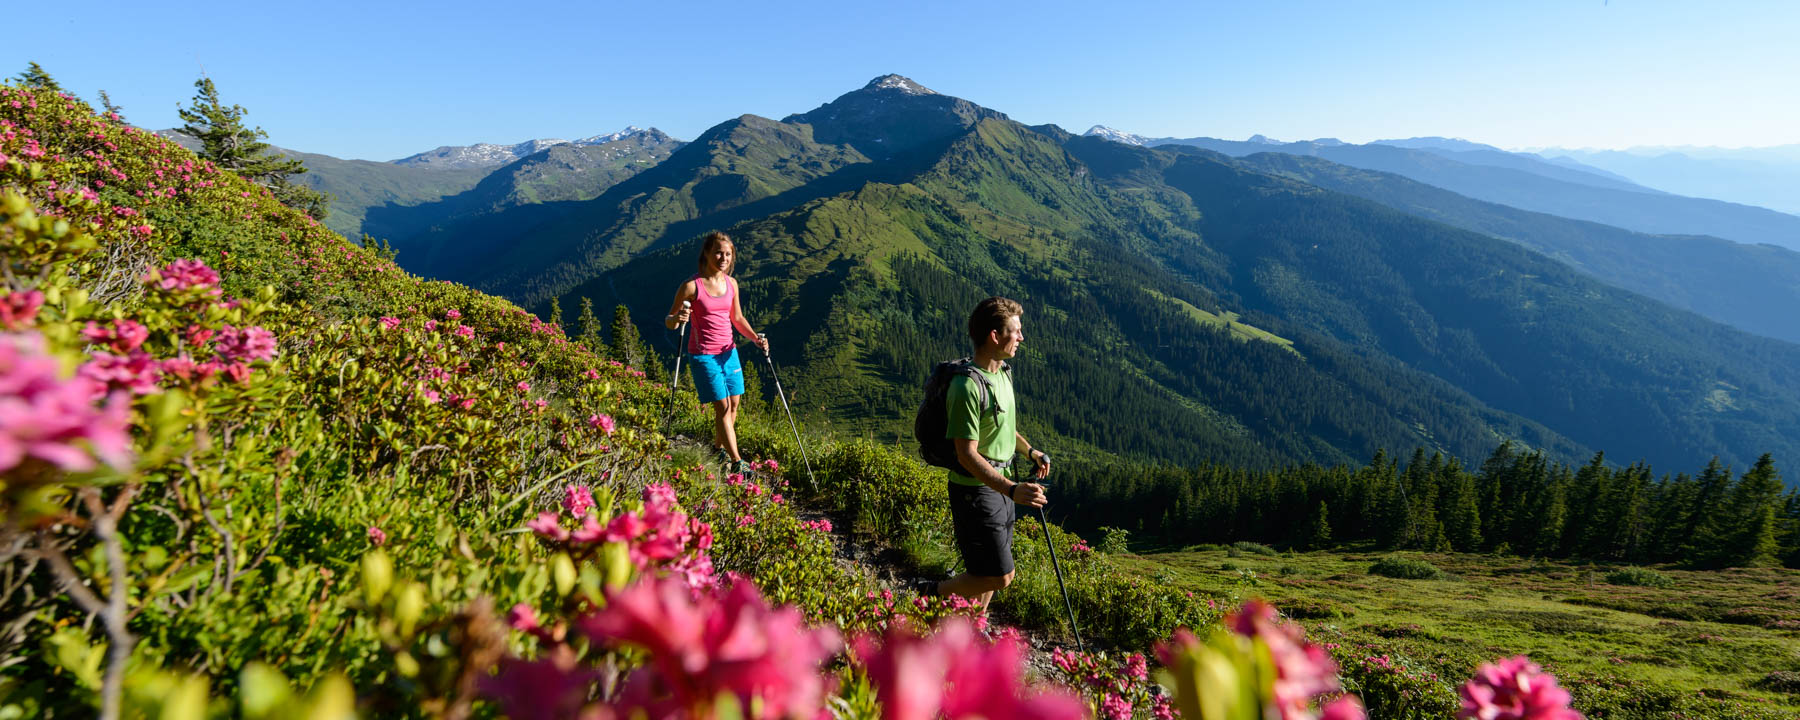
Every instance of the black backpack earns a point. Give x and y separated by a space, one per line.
934 413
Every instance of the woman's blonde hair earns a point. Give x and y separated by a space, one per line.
711 242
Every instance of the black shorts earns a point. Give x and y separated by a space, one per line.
984 522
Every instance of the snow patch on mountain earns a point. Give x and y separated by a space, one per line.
1118 136
452 157
898 82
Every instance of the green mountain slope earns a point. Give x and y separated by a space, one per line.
865 289
745 168
1361 327
1752 287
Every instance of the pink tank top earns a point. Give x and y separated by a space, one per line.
711 333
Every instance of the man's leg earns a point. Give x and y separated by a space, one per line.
977 588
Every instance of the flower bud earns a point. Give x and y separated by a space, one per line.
562 571
378 576
409 606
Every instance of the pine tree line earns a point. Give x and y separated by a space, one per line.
1515 503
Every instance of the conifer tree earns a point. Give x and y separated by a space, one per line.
112 112
1754 508
35 77
1706 520
589 327
626 347
1552 514
753 404
1318 534
1462 516
555 312
1791 536
229 144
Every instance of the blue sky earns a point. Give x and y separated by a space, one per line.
381 80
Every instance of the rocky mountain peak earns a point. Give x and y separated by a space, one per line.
898 82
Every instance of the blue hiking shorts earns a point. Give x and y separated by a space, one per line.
717 377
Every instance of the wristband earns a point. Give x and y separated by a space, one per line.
1012 491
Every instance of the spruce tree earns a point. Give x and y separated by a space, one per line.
1462 515
589 327
35 77
1754 508
229 144
627 347
1706 521
555 312
113 112
1319 531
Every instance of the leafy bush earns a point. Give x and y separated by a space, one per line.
1642 577
1255 548
1114 541
1406 569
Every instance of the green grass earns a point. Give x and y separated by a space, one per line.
1703 645
1228 320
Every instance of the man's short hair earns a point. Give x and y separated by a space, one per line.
990 316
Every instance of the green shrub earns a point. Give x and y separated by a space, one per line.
1255 548
1642 577
1406 569
1114 541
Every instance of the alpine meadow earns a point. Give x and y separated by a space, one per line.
1411 429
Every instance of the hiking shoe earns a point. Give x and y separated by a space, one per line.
923 587
741 467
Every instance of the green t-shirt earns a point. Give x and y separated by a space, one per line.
995 434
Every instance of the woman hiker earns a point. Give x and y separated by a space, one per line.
718 376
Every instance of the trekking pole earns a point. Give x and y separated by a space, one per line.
675 381
813 482
680 330
1049 543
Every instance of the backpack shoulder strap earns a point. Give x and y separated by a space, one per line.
966 368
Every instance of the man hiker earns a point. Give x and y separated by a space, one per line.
985 438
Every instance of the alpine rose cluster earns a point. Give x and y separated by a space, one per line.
955 673
1514 689
657 534
1304 672
46 417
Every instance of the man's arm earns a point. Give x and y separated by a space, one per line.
1031 494
1040 460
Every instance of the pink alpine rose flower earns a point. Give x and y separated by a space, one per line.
1514 689
123 336
136 373
701 647
548 525
452 313
186 274
377 536
53 419
19 309
251 343
602 422
389 323
910 674
578 499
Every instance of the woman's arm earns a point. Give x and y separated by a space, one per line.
677 313
740 322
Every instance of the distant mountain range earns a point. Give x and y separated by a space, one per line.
1768 177
410 195
1564 187
1183 304
487 155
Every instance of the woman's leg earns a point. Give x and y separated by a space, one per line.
725 425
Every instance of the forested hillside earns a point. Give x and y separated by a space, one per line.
1513 502
1610 203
